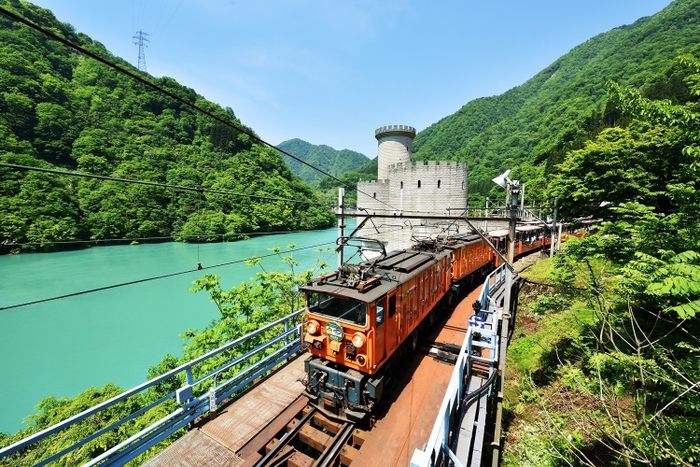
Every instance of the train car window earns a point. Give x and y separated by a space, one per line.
380 311
392 306
342 308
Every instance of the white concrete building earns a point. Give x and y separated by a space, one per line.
410 188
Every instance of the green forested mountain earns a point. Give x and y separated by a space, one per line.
530 127
60 109
324 157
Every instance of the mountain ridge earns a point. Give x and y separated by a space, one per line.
61 109
336 162
533 121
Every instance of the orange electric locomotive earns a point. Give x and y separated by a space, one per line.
358 317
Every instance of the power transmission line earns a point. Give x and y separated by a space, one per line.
163 276
191 105
156 184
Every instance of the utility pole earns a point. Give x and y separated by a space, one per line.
513 188
141 40
486 223
341 224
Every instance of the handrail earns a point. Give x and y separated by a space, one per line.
455 394
190 406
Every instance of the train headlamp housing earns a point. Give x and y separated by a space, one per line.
313 327
359 340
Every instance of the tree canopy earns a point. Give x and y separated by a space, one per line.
531 127
622 388
60 109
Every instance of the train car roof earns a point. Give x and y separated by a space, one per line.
519 228
498 233
335 288
396 267
529 228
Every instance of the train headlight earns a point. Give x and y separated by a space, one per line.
313 327
358 340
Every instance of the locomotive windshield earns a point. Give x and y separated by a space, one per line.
342 308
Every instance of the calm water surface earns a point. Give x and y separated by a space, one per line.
62 347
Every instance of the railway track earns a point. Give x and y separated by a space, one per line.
303 436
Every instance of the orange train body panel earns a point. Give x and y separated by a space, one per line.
358 317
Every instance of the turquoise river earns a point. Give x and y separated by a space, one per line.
64 346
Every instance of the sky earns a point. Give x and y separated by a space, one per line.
331 72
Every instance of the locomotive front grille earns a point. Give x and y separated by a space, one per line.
338 389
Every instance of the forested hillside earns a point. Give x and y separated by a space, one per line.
332 161
529 128
604 367
60 109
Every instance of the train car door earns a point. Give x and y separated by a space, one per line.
380 319
392 322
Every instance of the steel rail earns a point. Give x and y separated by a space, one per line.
331 453
285 439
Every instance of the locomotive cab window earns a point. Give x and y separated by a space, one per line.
380 311
331 306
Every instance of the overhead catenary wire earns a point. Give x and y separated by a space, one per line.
162 276
146 82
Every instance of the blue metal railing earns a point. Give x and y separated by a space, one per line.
195 397
438 446
493 282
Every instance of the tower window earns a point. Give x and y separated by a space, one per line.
402 185
418 183
375 196
438 183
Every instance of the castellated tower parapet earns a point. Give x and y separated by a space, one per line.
410 188
428 187
395 146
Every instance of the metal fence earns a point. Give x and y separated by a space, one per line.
437 451
194 398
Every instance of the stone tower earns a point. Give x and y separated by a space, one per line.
405 187
395 147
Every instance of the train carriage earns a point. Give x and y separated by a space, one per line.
360 315
357 318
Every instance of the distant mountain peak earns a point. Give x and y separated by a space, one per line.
333 161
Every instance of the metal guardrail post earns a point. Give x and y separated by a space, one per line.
192 406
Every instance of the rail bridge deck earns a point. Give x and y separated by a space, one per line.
221 440
402 423
423 394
